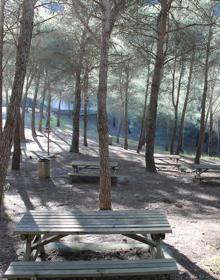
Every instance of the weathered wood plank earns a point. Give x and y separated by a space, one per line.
88 178
91 269
67 264
94 231
97 222
105 213
93 220
168 164
92 163
166 156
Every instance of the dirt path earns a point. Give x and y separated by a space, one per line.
193 210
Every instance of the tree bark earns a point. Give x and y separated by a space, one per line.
43 96
2 20
16 158
210 150
119 129
204 97
102 122
77 103
48 110
33 128
22 55
29 80
176 109
144 116
126 107
58 111
86 100
155 87
182 120
7 100
76 113
218 139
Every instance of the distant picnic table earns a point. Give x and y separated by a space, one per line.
205 169
40 228
78 165
166 160
85 164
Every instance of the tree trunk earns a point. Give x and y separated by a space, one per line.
33 129
119 130
77 103
182 121
43 96
218 139
86 99
102 122
7 100
2 20
22 55
58 111
29 80
168 132
144 116
16 158
176 108
48 110
210 150
204 97
76 113
155 87
126 108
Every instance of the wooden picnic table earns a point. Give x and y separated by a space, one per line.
37 224
167 156
166 160
202 168
95 164
40 228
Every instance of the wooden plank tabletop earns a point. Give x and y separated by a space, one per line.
94 163
209 166
166 156
94 222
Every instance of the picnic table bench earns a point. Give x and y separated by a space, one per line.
206 168
41 228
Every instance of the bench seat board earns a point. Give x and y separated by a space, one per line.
88 178
92 164
92 268
97 222
204 166
168 164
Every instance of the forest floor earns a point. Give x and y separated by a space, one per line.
193 209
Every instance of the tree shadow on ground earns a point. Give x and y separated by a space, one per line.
187 264
7 243
39 144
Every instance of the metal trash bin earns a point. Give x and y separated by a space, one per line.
44 168
110 140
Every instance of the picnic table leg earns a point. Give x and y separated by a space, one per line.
158 238
27 255
40 251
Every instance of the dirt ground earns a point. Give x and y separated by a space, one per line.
193 209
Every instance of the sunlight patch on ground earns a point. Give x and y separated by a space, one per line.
205 196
